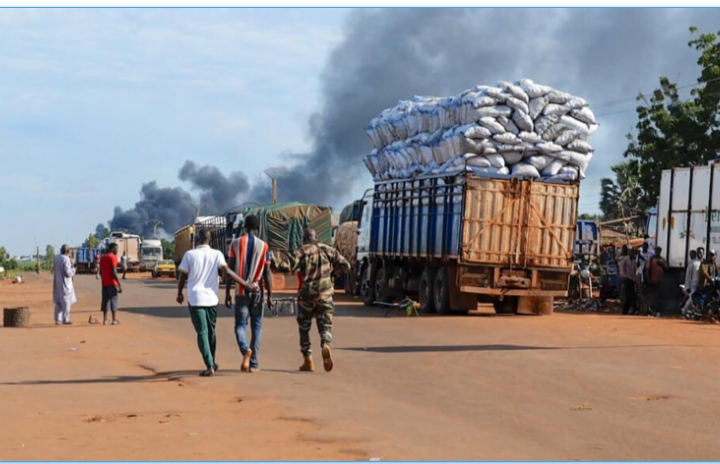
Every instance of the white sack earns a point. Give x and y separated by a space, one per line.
544 123
492 124
553 109
517 104
478 132
572 123
549 148
540 162
537 105
553 168
567 136
512 157
584 114
518 93
506 137
496 160
580 146
523 121
524 170
530 137
556 96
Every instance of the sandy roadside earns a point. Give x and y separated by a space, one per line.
61 401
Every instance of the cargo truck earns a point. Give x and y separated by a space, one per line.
687 216
127 244
151 253
455 241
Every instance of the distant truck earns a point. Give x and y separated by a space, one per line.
85 259
455 241
687 216
281 227
127 244
151 253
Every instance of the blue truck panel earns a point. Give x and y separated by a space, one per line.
420 218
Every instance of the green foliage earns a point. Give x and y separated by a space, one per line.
3 255
670 132
49 257
624 196
168 248
91 242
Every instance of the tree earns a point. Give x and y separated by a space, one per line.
168 248
588 217
91 242
3 255
672 132
624 196
49 256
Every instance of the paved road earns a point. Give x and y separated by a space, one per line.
481 387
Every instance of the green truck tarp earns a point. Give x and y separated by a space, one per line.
282 226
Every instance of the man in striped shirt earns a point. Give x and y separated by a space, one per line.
250 258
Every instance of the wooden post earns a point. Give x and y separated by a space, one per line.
274 191
16 317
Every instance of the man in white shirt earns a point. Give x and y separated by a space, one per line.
692 279
200 267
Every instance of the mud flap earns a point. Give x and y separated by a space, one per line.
536 305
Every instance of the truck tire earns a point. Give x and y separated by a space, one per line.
380 287
507 306
441 292
427 290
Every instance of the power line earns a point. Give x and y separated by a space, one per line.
629 99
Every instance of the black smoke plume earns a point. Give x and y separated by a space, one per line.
175 207
393 54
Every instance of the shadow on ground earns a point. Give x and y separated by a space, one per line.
456 348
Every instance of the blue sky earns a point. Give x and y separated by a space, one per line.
94 102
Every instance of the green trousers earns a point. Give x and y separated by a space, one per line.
203 320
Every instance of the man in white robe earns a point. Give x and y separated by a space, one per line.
63 289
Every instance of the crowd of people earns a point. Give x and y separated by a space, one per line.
643 275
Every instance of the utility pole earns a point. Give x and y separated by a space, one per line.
155 223
274 186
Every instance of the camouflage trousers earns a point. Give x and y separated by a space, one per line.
322 311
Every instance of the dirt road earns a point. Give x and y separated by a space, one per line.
482 387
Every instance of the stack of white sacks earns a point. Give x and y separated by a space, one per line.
522 129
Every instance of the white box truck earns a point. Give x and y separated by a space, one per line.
687 216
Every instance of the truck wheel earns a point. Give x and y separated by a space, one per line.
441 292
367 290
507 306
427 290
380 286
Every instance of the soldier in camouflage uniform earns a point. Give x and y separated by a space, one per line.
316 263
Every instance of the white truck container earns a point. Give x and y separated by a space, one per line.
688 213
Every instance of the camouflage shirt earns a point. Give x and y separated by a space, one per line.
316 263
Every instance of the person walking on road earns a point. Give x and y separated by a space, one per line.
97 265
656 269
627 273
110 282
199 267
249 258
63 288
692 279
316 263
124 262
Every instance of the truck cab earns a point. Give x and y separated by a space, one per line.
150 254
363 210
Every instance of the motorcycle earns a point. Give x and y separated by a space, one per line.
705 305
